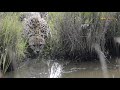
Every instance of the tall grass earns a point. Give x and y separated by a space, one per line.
12 45
71 40
52 45
68 38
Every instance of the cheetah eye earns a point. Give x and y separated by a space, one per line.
40 45
45 36
42 36
34 45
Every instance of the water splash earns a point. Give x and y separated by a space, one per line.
102 61
117 39
55 70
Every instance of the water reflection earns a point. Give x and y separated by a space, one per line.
102 61
66 69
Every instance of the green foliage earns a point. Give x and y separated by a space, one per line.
12 45
69 38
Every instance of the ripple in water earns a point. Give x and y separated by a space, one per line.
55 70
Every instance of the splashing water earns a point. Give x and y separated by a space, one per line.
55 71
102 61
117 39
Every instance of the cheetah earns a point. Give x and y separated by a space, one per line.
44 15
36 30
26 15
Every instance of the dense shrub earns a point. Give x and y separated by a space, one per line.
70 40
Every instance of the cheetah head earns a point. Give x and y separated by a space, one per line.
36 43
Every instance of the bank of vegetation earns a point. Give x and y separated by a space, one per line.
73 35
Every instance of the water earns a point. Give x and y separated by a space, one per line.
41 68
102 61
55 70
90 70
66 69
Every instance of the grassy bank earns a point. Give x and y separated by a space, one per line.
12 45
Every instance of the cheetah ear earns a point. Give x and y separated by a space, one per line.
44 15
22 18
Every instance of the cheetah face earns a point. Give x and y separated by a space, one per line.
36 43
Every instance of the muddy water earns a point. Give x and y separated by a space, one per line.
65 69
91 70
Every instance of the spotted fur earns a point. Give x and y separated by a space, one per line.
36 30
